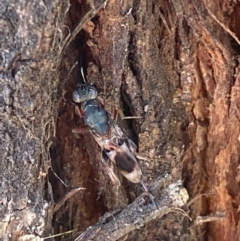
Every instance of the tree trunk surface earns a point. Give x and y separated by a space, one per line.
28 83
173 67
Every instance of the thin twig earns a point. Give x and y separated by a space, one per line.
68 195
55 174
86 17
197 197
181 211
136 215
210 218
232 34
59 234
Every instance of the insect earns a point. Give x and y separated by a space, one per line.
114 146
95 116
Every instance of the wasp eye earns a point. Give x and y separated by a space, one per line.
76 97
92 93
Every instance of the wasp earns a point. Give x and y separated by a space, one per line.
96 118
109 136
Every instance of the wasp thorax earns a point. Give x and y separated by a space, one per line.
84 92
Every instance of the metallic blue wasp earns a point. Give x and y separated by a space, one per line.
115 147
93 112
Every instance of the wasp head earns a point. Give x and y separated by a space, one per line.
84 92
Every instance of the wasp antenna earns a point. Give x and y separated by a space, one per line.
82 73
81 70
149 194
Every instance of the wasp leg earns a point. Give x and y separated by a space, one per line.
158 181
78 111
149 194
101 100
117 112
80 130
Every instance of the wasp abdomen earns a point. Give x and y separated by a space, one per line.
128 167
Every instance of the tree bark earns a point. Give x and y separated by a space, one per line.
28 83
172 64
